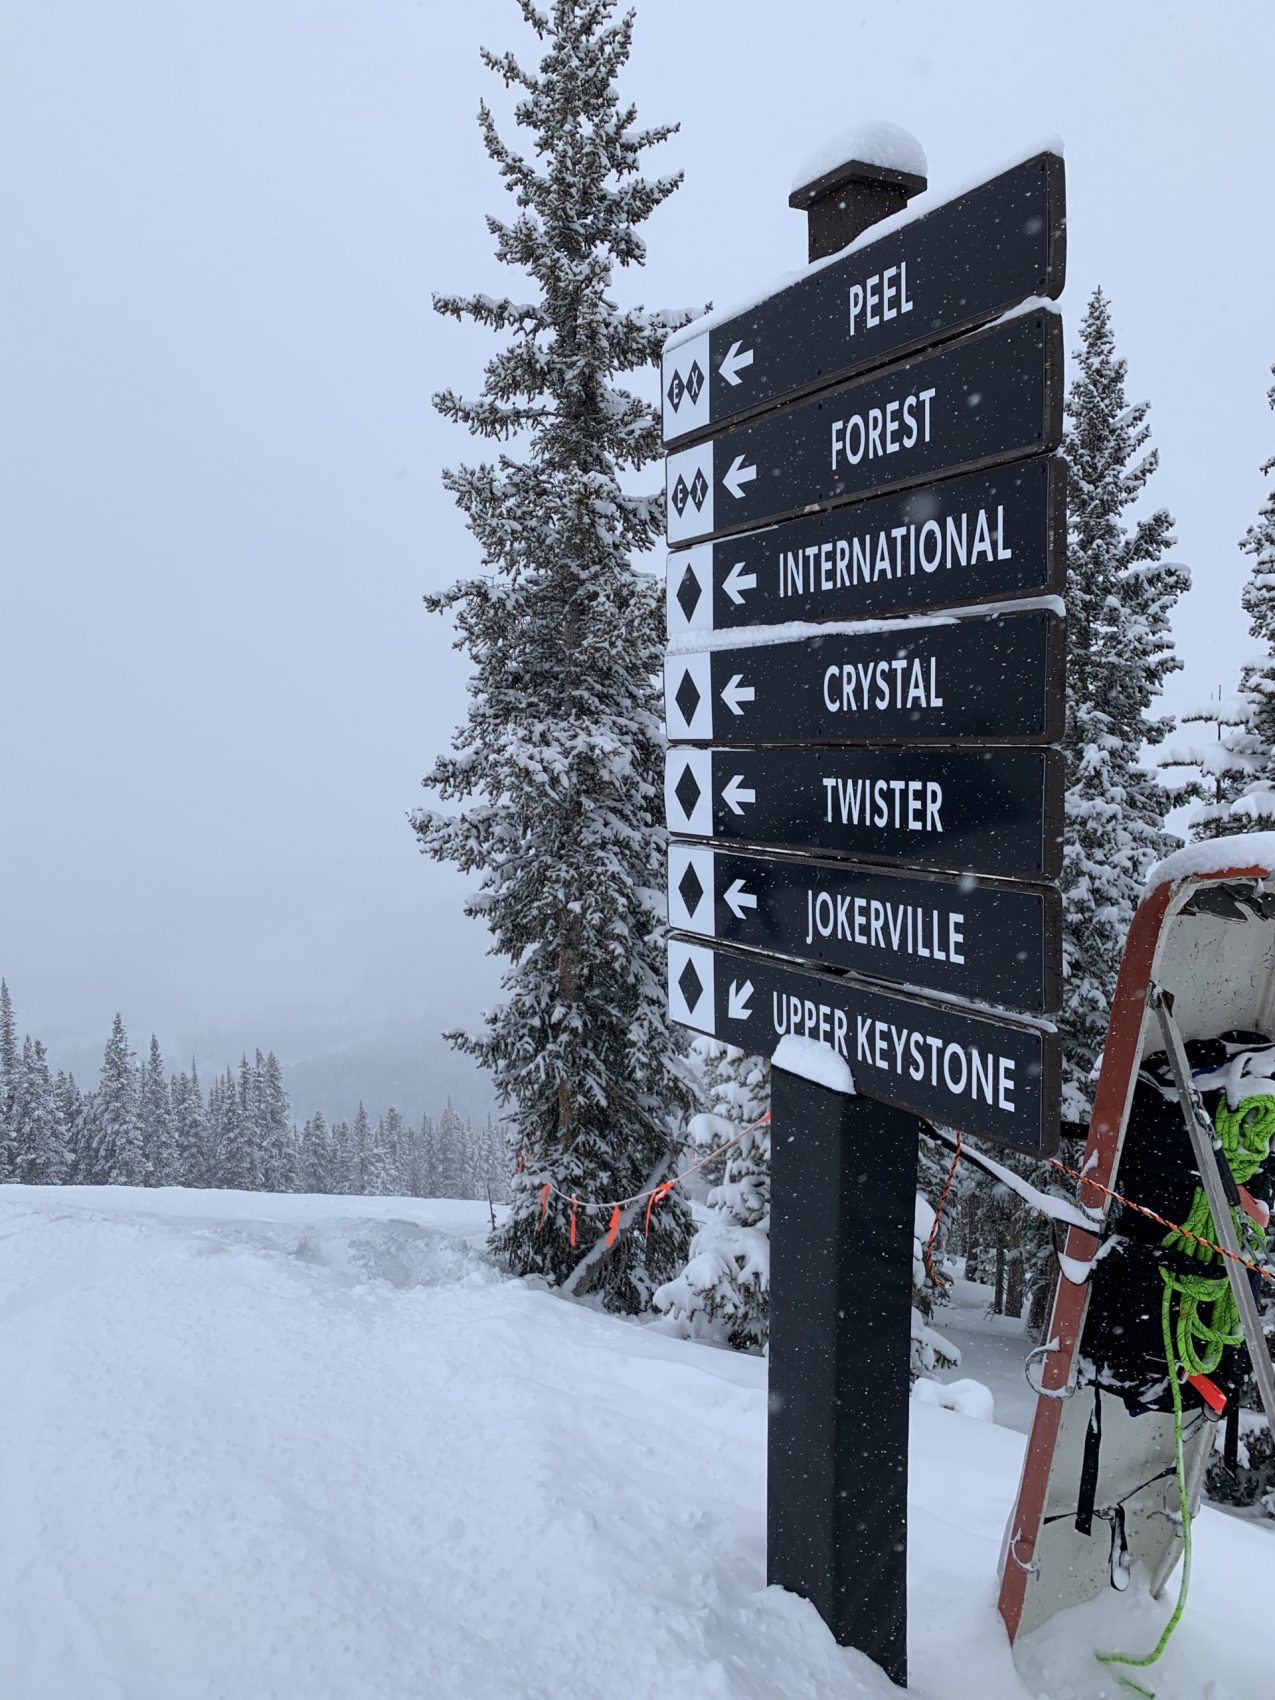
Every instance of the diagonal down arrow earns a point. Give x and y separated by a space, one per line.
737 1006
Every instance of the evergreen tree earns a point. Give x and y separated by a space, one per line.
315 1172
342 1169
424 1171
116 1154
724 1291
1120 596
73 1116
190 1129
449 1171
40 1156
1234 769
393 1144
9 1060
155 1112
236 1133
278 1148
557 770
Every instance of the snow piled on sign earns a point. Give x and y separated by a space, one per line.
916 208
1215 856
260 1447
876 142
815 1061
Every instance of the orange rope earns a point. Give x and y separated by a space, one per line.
1142 1210
936 1280
614 1204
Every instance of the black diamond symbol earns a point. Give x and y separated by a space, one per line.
699 489
688 592
691 985
687 698
694 382
690 888
687 792
681 495
675 390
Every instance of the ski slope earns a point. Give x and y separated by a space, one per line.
275 1448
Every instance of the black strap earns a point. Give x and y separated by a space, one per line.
1231 1436
1089 1468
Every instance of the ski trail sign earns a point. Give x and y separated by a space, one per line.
967 1068
986 537
993 680
959 266
992 397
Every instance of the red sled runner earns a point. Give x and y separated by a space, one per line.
1144 1349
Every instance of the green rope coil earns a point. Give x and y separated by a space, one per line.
1208 1318
1200 1319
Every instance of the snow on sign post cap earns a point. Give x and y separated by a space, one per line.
857 178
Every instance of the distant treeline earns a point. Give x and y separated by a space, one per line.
141 1126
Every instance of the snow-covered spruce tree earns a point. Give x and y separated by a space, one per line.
723 1293
274 1121
155 1112
9 1057
190 1128
116 1153
557 768
74 1114
1233 768
316 1156
1120 595
40 1153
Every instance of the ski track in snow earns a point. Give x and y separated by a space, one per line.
276 1448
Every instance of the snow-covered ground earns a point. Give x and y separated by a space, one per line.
273 1448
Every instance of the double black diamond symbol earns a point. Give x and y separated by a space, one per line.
696 493
692 386
691 888
689 592
687 792
687 698
692 987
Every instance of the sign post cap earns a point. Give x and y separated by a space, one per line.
842 203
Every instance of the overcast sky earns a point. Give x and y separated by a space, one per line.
219 467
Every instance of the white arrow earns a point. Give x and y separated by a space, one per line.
737 1004
735 362
737 581
737 475
736 794
735 692
738 898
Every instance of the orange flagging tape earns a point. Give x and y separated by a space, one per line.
545 1190
614 1229
653 1193
574 1202
660 1192
935 1279
1175 1227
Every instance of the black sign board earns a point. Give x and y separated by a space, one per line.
959 266
981 1073
989 536
990 943
992 397
997 680
985 811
